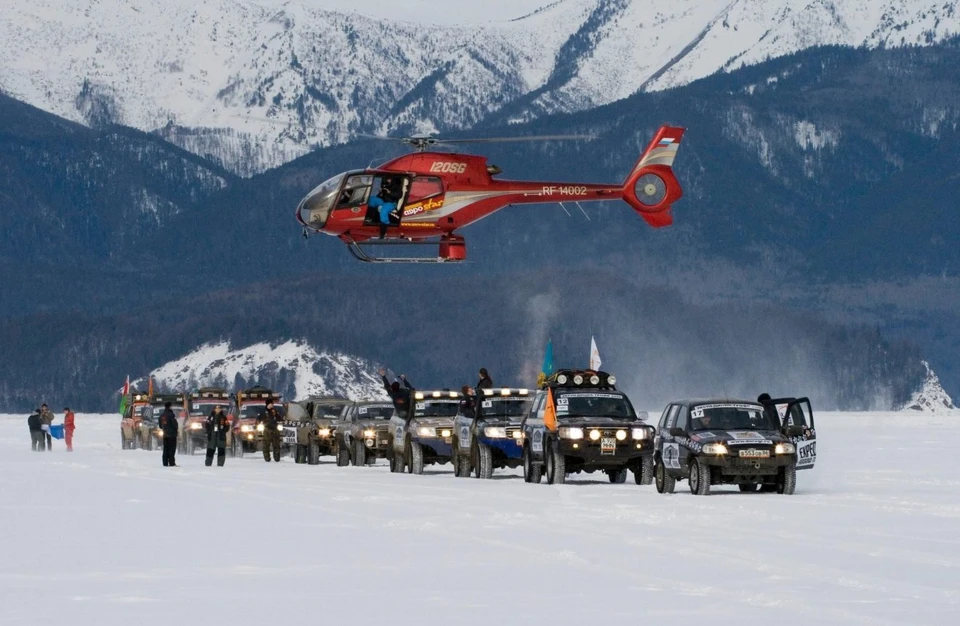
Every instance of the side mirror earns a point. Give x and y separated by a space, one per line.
677 432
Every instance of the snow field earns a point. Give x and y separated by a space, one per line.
105 536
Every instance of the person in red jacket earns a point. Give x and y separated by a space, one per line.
68 427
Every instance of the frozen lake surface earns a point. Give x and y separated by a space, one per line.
105 536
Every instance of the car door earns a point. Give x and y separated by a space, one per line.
796 418
672 451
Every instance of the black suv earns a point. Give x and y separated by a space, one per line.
579 421
734 442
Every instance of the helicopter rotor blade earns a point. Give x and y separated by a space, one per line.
518 139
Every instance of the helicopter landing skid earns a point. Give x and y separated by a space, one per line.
453 249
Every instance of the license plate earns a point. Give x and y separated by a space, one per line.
755 454
608 444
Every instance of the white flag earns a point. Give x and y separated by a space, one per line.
595 361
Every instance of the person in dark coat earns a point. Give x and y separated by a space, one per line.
469 404
400 396
169 426
37 439
485 381
46 421
272 422
217 426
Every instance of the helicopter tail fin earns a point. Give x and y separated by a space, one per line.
651 188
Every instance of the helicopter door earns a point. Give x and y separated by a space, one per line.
389 189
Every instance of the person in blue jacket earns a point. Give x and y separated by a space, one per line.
385 202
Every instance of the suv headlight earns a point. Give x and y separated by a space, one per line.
495 432
368 433
196 426
427 431
714 448
641 433
246 428
323 432
571 432
260 428
280 427
785 448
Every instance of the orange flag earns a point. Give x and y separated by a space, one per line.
550 412
150 385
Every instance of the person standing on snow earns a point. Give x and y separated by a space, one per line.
485 381
400 397
69 426
271 421
46 419
217 426
36 431
169 426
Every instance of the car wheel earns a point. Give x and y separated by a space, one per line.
617 477
531 473
461 463
556 467
787 480
359 453
343 455
748 487
416 458
313 453
643 475
485 461
192 446
699 478
149 445
665 482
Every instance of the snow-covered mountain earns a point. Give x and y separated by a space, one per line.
931 397
255 86
293 368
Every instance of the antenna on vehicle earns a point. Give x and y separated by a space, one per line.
564 209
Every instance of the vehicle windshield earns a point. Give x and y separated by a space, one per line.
205 408
436 408
329 411
251 410
730 417
315 208
504 407
138 410
375 412
594 404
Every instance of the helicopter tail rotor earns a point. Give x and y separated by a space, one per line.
651 187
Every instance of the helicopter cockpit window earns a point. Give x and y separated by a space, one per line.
423 187
315 208
355 191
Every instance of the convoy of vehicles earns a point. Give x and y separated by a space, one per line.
576 421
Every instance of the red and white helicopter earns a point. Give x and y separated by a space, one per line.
424 197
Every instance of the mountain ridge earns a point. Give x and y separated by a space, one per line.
255 86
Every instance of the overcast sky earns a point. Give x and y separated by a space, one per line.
432 11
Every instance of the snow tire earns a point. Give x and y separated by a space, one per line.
359 453
531 473
787 480
556 466
643 475
699 478
665 482
416 458
484 462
